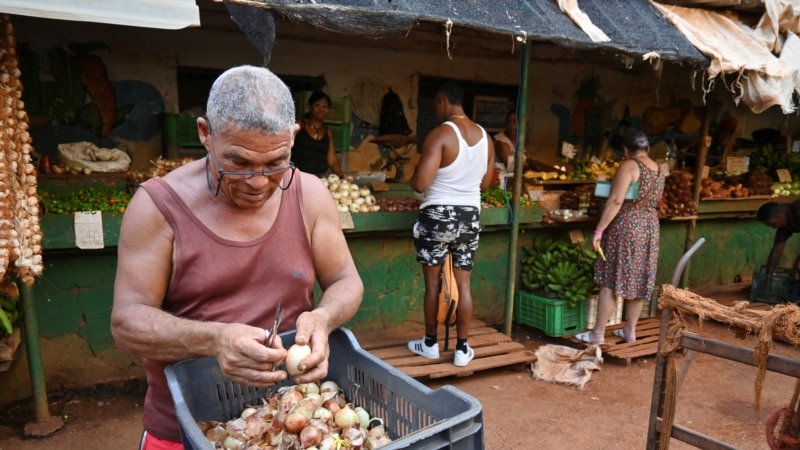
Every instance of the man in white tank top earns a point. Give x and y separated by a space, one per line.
457 162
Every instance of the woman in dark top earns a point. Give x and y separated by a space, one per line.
313 149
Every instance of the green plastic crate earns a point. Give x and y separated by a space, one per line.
341 136
181 131
772 288
553 316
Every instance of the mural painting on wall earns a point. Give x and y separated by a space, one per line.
70 98
592 124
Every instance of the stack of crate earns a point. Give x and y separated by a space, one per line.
181 138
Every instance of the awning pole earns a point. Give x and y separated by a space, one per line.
522 108
44 424
702 155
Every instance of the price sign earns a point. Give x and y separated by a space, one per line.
784 176
737 164
706 170
576 236
89 229
665 169
346 220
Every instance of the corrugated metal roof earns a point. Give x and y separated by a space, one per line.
635 26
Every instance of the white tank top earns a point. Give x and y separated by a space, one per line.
459 184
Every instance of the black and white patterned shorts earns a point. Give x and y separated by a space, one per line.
441 229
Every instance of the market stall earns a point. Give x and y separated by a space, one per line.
75 293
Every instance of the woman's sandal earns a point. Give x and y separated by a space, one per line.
586 337
620 333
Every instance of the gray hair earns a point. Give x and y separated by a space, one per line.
250 98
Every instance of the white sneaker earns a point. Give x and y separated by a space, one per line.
421 349
463 358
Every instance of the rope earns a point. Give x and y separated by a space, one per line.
669 393
781 320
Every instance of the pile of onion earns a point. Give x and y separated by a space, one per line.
349 196
305 416
399 204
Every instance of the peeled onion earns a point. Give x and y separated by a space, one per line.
294 355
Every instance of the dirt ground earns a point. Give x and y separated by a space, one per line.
612 412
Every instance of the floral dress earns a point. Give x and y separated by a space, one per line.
630 242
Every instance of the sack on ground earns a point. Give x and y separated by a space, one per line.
566 365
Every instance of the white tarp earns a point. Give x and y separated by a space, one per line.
765 59
166 14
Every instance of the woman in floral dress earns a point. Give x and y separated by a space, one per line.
628 233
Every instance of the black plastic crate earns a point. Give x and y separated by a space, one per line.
774 288
415 416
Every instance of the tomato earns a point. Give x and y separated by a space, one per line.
112 201
122 209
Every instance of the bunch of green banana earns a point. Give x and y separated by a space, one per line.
10 314
560 269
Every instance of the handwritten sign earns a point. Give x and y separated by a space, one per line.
89 230
737 164
784 176
576 236
346 220
706 170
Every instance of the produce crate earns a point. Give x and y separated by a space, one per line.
775 288
415 416
591 312
341 136
181 131
553 316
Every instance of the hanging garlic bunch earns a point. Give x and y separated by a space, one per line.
349 196
20 232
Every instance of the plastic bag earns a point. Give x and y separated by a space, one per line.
86 155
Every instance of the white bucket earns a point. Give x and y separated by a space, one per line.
591 312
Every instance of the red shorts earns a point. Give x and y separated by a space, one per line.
150 442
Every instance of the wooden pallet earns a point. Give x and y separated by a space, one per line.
492 349
646 341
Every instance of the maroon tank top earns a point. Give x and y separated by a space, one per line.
216 279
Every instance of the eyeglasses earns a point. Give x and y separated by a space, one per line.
243 175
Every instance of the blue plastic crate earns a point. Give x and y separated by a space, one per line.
415 416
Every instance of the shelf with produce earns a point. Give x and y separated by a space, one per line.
732 205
